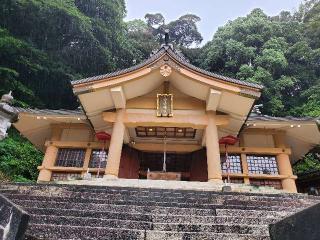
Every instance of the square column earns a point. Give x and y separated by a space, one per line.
49 157
115 148
284 165
213 152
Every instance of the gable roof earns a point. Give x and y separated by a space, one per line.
175 55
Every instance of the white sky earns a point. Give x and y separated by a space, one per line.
213 13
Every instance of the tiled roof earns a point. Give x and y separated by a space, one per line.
252 117
260 117
50 111
122 71
176 56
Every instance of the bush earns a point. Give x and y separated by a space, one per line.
19 159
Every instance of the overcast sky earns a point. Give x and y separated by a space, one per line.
213 13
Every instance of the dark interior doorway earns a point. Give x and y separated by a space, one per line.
175 162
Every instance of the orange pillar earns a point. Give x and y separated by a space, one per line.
213 152
49 157
284 166
115 148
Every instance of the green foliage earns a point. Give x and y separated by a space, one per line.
273 51
18 158
309 162
183 32
46 44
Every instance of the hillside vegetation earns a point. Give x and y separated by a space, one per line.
46 44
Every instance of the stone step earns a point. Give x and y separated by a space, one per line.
155 235
139 225
90 222
155 218
89 213
142 202
89 204
154 193
133 191
115 208
252 213
180 219
63 232
174 198
216 228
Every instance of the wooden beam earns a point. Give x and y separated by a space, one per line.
158 147
118 97
70 126
73 144
178 120
257 176
255 150
263 131
213 100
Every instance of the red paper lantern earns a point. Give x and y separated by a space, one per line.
228 140
103 136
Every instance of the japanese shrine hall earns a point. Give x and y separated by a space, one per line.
163 119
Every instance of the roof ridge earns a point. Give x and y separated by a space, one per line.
175 54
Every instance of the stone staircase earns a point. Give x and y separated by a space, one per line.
95 212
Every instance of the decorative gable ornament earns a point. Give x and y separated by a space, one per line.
165 70
164 105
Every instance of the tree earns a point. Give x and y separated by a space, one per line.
273 51
183 32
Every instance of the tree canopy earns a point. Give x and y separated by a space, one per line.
46 44
277 52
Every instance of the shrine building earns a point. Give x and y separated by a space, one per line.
163 119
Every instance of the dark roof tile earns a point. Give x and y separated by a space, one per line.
175 55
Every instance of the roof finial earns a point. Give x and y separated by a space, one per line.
166 36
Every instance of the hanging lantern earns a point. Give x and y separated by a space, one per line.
103 136
228 140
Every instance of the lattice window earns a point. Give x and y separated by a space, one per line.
168 132
262 164
70 157
98 157
234 163
58 176
265 182
234 180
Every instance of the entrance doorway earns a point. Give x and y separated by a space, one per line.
175 162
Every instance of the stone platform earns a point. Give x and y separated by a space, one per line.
172 184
